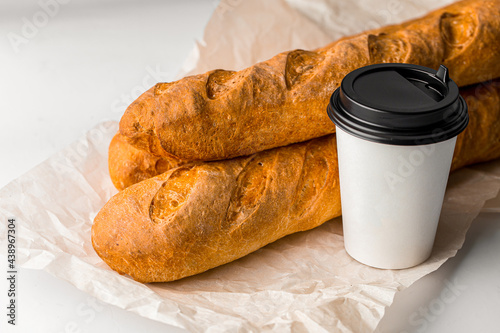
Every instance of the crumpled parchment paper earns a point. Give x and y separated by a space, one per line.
303 282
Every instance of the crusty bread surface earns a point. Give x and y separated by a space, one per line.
480 142
128 165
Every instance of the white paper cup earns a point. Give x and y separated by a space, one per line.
393 179
391 199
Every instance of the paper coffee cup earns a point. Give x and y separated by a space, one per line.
396 131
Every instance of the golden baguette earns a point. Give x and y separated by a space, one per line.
199 216
223 114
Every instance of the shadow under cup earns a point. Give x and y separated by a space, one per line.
396 132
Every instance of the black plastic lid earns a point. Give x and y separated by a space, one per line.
399 104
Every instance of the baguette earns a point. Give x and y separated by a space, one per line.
223 114
199 216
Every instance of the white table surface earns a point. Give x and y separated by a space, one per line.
81 63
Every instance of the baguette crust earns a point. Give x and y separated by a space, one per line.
128 165
480 142
199 216
223 114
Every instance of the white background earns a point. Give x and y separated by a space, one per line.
68 65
